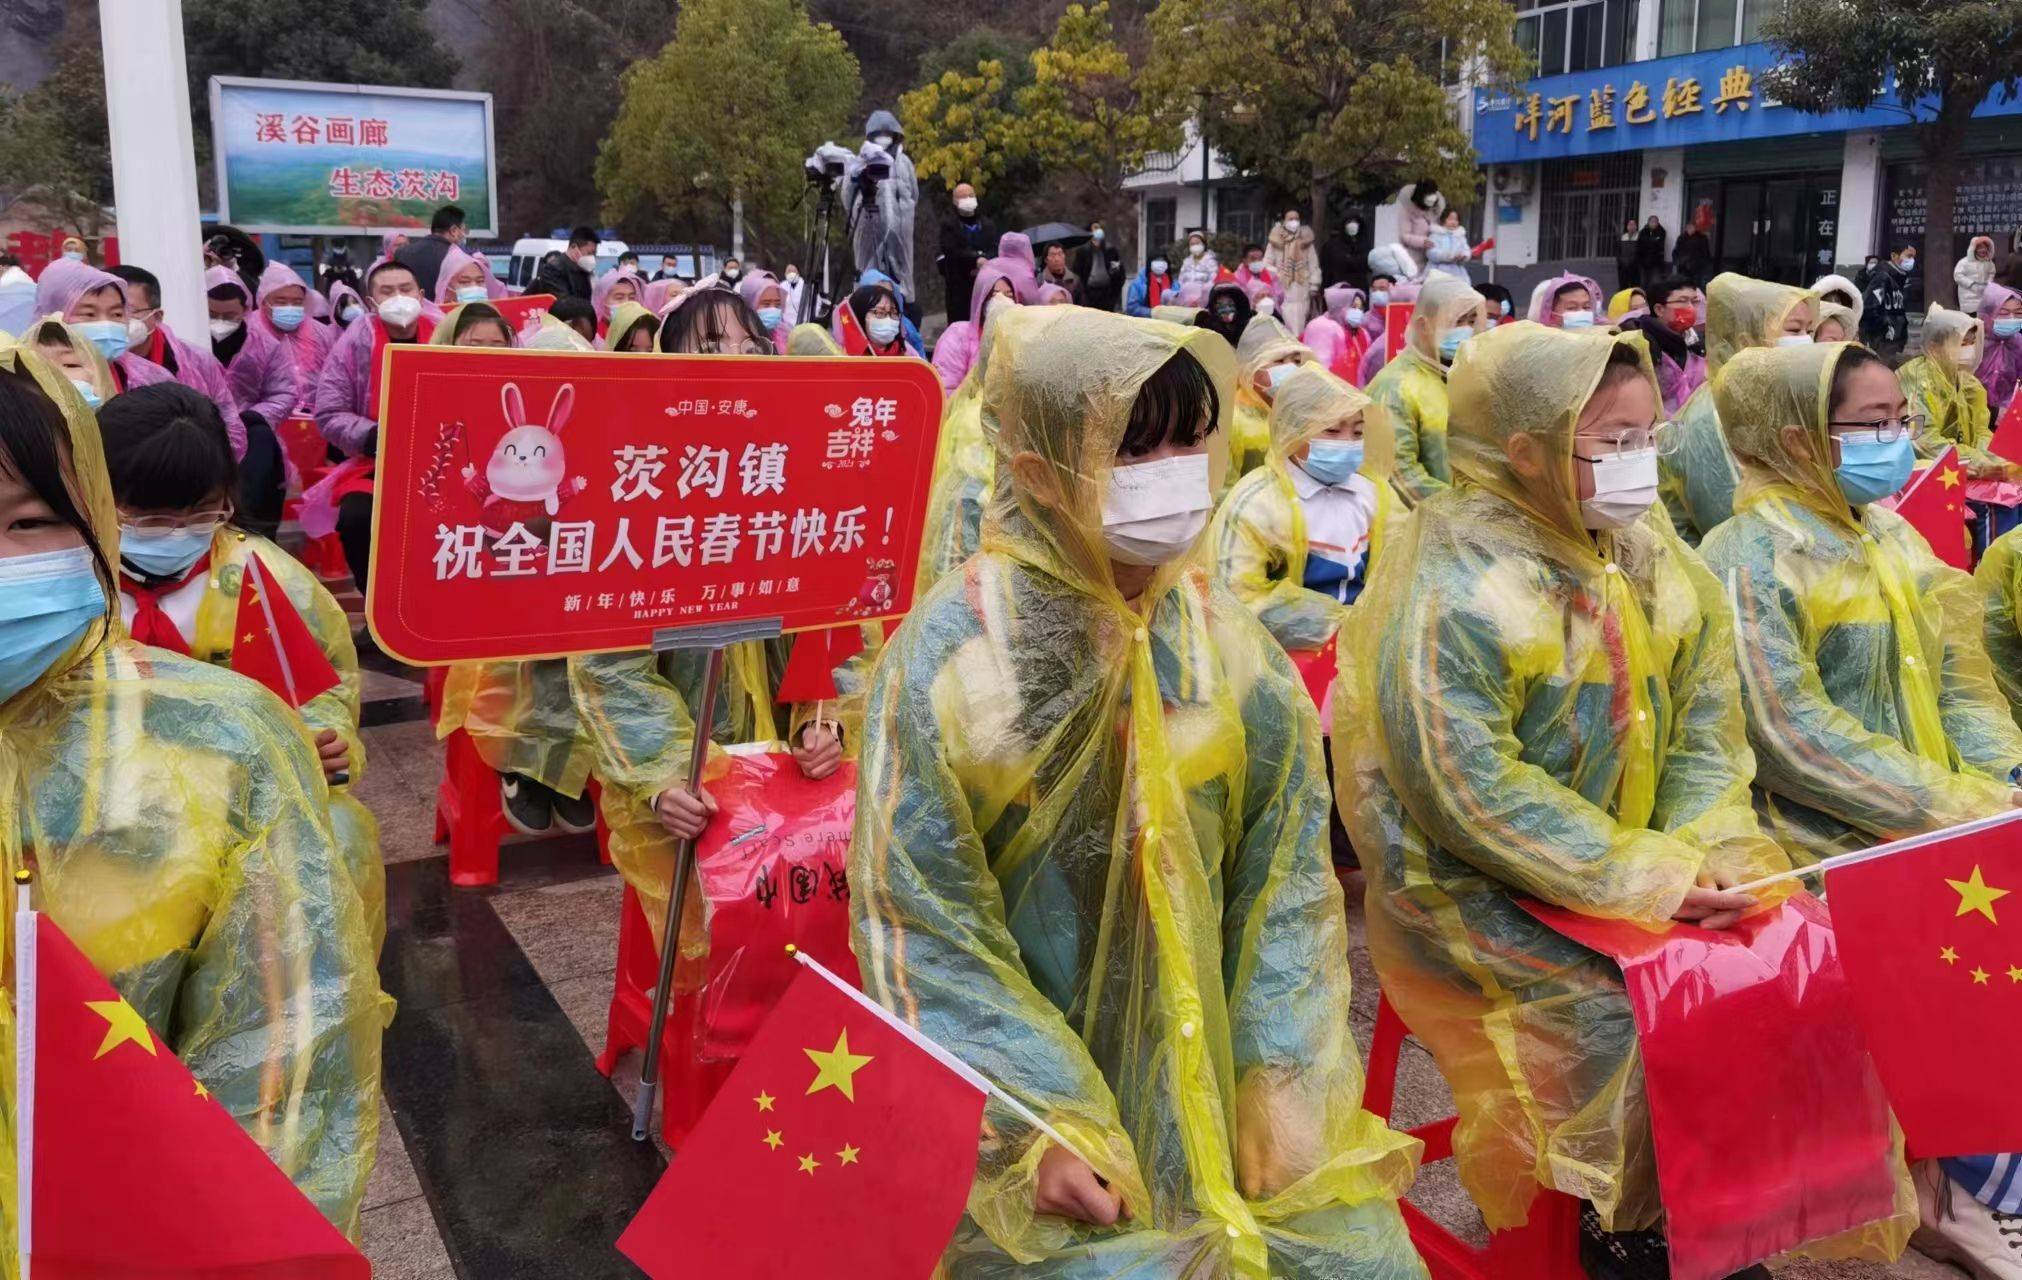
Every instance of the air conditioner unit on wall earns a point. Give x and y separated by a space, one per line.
1513 180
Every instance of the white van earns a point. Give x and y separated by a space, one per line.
525 262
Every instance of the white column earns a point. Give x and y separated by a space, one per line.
1860 199
1516 243
1649 17
1665 166
154 175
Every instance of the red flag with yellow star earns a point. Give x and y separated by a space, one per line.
1934 502
273 645
2007 441
1930 936
842 1147
127 1167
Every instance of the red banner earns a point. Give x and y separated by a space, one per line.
1396 324
1768 1119
539 504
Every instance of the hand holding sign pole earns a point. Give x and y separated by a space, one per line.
665 502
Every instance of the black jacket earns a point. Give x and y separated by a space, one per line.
1650 248
560 276
424 258
1104 296
965 242
1692 255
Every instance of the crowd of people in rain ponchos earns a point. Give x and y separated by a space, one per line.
1101 815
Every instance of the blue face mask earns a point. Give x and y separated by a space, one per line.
109 336
1869 469
882 330
770 317
1355 316
164 553
89 392
1333 461
1277 375
1449 342
471 293
2007 327
47 603
1379 298
286 319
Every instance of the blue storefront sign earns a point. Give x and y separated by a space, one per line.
1694 98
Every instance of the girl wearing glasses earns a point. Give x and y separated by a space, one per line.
1872 707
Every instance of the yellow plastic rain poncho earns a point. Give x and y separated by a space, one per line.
1258 539
52 332
1091 851
335 709
1536 710
1264 343
965 466
1941 386
1999 574
178 823
624 318
1697 481
1847 318
520 716
1411 389
1871 705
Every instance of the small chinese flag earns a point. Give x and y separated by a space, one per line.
810 668
130 1168
1396 327
2007 441
841 1148
854 341
1317 668
273 645
1930 935
1934 502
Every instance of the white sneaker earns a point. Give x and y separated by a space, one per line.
1960 1230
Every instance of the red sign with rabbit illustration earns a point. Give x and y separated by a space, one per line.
533 504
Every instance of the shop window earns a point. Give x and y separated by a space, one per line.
1584 203
1687 26
1239 212
1580 36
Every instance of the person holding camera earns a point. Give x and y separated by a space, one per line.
882 195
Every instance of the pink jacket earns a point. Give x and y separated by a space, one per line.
1257 283
960 343
752 287
199 370
344 411
1339 346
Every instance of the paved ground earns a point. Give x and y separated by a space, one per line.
503 1153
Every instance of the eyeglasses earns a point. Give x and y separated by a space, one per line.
1664 438
1885 430
205 520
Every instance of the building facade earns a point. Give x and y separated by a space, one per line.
1657 107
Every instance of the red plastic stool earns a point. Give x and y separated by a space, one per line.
1545 1248
470 816
687 1083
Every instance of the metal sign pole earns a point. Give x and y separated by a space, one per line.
716 638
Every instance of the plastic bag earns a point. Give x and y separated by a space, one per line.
773 868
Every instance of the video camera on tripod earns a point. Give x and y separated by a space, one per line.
826 170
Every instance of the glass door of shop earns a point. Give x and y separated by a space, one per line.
1781 228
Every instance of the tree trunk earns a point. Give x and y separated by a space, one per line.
1943 140
1323 192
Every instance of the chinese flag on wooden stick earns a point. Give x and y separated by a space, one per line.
273 645
128 1167
1934 502
852 339
2007 441
1930 935
810 667
841 1148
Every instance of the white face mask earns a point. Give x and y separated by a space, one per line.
1969 355
222 329
1153 511
1196 250
966 206
1624 487
882 139
588 262
1158 266
400 310
1292 225
1794 340
1267 306
1354 229
137 333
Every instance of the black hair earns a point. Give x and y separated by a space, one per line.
1381 275
1853 358
166 447
630 255
1259 248
9 260
142 277
1660 293
391 264
865 297
446 218
702 319
1495 293
1178 403
227 292
582 233
1232 330
573 308
472 314
35 449
1624 365
1571 285
621 341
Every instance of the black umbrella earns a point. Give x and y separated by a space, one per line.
1064 234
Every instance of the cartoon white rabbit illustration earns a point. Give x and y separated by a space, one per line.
526 479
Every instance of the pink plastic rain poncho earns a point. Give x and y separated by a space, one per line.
1542 296
955 354
493 286
1340 345
1014 257
308 346
752 287
2000 366
262 372
63 285
600 293
454 262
